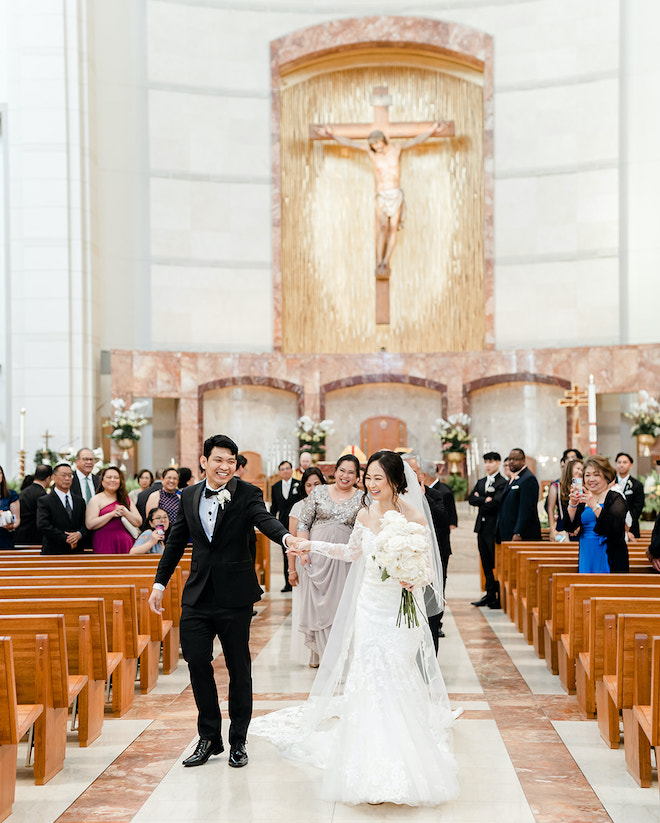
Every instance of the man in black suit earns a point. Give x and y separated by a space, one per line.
218 515
518 517
487 497
284 494
61 516
84 483
27 533
632 489
443 513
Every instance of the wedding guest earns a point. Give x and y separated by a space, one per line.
85 484
518 517
105 512
486 496
552 497
144 495
185 477
168 496
305 462
431 476
311 478
151 539
61 515
599 512
10 514
327 514
145 479
241 465
632 489
558 500
653 551
283 495
27 533
441 519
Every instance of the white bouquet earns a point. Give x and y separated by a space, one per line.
402 553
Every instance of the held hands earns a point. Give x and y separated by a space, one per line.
300 548
72 538
156 601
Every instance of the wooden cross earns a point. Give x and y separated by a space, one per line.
381 101
573 398
46 436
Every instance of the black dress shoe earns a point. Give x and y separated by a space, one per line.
440 633
205 748
485 601
238 756
287 588
495 605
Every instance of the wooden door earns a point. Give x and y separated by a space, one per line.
381 432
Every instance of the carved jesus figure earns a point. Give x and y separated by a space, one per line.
390 204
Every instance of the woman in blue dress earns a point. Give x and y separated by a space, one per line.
10 515
599 511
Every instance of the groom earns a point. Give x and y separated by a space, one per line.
218 516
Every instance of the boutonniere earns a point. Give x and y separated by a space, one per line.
224 496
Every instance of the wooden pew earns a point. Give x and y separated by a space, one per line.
15 720
119 564
555 624
543 609
121 625
42 676
87 652
526 590
645 727
577 598
616 689
590 662
153 627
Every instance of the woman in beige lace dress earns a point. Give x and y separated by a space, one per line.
328 514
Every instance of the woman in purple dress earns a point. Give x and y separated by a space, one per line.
105 512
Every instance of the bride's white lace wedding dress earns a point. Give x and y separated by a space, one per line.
378 716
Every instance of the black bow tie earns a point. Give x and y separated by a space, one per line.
212 492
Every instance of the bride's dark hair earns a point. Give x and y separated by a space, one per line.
392 464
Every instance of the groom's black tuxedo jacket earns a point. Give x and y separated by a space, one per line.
226 558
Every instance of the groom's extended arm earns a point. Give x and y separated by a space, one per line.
264 520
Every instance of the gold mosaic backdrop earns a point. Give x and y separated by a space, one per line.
328 251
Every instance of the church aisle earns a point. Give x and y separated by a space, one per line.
524 753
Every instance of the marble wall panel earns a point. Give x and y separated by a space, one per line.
416 406
255 417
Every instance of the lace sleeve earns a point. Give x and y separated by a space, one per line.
341 551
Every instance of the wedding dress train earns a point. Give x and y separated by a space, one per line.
378 715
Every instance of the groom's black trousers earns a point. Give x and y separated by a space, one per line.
199 626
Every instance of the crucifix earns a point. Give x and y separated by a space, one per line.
386 158
46 436
573 399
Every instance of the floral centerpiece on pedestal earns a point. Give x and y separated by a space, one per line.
126 423
652 494
646 416
454 435
311 435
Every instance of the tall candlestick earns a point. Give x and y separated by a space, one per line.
593 428
22 430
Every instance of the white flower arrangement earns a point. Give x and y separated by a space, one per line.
402 553
646 415
453 432
311 435
224 497
126 422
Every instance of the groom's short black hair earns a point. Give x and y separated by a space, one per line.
219 441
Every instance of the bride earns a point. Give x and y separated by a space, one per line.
378 715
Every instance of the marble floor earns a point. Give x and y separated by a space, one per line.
525 753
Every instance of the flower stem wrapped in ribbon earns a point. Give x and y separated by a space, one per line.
402 553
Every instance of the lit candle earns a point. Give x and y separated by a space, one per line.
22 430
